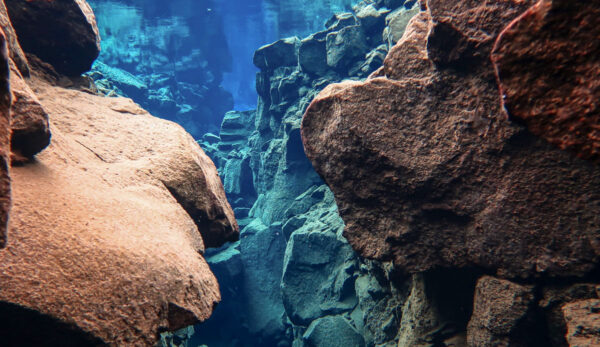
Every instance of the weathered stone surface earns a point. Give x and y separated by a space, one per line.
281 53
29 120
583 322
372 19
261 249
396 23
340 20
99 234
312 54
499 314
334 331
318 277
5 101
428 171
16 53
345 47
65 34
549 73
552 301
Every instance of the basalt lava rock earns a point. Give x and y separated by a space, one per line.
5 99
583 322
549 73
500 311
29 120
71 20
107 227
428 170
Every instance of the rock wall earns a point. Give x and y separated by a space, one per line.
104 242
450 158
293 278
5 100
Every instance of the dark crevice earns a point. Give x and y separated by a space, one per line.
23 327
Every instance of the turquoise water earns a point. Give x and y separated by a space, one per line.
238 76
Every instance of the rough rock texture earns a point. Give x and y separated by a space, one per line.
29 120
70 20
396 23
277 54
334 331
295 266
429 172
499 314
15 50
554 298
550 55
5 100
105 230
583 322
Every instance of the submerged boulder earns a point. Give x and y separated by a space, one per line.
346 46
106 236
65 34
499 314
29 120
281 53
429 172
312 54
550 55
334 331
396 23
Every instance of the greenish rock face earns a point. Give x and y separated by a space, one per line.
344 46
319 267
334 331
299 278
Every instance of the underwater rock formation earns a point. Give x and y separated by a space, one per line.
108 224
5 101
29 120
299 277
70 20
550 55
436 175
429 171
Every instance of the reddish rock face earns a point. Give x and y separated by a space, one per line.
29 120
583 322
548 68
4 139
428 170
499 314
101 236
70 20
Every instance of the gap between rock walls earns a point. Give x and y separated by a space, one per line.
372 173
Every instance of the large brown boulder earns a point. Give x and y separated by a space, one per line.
500 312
5 98
428 170
65 33
548 64
105 241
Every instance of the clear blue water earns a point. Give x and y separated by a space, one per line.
202 48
